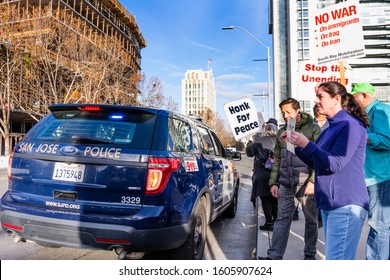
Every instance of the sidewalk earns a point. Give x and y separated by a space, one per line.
296 243
3 162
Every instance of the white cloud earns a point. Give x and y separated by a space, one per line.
177 75
233 77
201 45
257 85
164 65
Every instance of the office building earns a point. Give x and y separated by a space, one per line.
198 92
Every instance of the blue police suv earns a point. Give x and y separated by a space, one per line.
128 179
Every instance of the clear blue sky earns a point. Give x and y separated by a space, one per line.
182 35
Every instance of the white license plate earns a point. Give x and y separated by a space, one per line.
68 172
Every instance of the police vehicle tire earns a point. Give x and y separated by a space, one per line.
193 247
232 209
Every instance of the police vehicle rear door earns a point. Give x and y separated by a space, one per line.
213 166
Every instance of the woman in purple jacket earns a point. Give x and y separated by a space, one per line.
338 159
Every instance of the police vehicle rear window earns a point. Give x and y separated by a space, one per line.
133 129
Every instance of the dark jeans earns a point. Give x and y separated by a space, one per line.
282 225
270 208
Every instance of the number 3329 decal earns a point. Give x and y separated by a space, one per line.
130 200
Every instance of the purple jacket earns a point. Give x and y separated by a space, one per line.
338 159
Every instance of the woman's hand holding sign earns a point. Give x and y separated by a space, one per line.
296 138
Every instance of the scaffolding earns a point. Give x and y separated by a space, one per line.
101 22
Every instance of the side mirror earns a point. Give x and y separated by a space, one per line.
236 156
228 153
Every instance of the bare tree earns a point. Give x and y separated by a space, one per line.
75 69
214 121
208 117
224 133
171 104
51 57
152 94
11 61
6 70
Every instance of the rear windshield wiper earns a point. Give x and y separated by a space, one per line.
86 140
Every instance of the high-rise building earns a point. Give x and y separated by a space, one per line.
198 92
289 24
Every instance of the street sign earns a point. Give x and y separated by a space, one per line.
242 117
337 32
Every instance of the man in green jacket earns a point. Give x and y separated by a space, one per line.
290 179
377 170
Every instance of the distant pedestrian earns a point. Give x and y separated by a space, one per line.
262 149
338 159
377 170
319 118
291 178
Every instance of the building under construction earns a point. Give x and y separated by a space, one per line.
61 70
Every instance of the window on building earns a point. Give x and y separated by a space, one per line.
302 3
303 44
304 54
303 33
16 127
306 106
303 13
305 23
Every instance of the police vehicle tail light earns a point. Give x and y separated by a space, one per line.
159 170
90 108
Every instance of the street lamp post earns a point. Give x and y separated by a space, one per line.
267 59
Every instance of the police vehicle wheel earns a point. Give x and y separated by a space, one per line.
232 209
193 247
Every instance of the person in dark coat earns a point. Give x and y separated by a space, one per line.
261 149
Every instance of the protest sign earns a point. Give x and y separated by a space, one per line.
337 32
310 75
242 117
